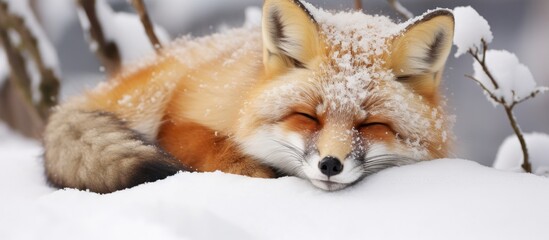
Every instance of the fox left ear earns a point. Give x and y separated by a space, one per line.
290 35
418 55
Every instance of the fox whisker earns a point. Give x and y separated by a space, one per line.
377 163
292 154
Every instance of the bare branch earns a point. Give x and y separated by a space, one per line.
395 4
482 63
19 76
106 51
532 95
492 96
49 81
525 156
358 5
139 6
484 49
18 114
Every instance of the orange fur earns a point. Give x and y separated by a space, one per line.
204 150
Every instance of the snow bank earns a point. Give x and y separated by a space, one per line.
442 199
514 79
470 28
509 155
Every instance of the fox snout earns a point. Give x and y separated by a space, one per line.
330 166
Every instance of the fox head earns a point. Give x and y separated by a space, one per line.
346 95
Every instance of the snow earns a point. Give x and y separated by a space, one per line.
514 79
253 17
509 155
125 29
470 28
21 173
4 67
441 199
57 16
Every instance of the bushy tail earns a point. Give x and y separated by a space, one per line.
97 151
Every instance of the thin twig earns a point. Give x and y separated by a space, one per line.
482 62
358 5
395 4
494 97
484 48
526 163
140 8
106 51
533 94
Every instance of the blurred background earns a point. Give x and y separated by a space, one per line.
519 26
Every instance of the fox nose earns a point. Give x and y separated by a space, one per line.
330 166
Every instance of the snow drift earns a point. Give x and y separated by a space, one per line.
441 199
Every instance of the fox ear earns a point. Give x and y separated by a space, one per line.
418 55
290 35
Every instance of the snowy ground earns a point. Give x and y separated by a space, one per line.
443 199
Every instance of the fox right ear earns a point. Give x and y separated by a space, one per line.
419 54
290 35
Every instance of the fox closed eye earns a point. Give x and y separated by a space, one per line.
404 77
373 124
308 116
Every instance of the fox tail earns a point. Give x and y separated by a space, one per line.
96 150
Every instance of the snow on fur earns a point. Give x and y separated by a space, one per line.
440 199
470 28
345 84
357 73
509 155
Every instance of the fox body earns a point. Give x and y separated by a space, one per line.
328 97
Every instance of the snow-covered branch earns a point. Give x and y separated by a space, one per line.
499 73
119 38
34 71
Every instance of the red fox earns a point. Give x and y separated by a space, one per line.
327 97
